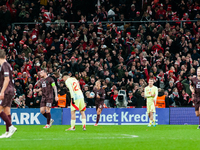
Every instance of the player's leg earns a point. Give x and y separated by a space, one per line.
7 112
73 120
6 119
5 107
11 129
43 108
149 115
83 119
99 110
48 111
198 114
48 114
43 111
82 109
152 111
74 106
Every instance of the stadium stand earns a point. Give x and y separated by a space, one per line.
123 43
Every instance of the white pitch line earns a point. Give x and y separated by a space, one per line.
58 139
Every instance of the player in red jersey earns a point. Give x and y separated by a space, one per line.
48 85
195 89
6 94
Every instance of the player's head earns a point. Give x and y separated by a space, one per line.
198 71
43 73
98 83
65 76
151 81
2 54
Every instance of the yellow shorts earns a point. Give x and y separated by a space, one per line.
151 107
79 105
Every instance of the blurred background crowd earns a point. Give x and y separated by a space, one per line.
99 40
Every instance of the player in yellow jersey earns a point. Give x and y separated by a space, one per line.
151 94
77 100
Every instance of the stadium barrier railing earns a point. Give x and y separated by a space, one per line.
173 22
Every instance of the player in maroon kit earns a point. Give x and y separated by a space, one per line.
48 85
6 95
99 99
195 89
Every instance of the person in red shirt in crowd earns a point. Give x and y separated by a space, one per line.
186 17
13 12
175 17
171 75
48 41
178 84
3 38
12 49
156 48
161 11
113 98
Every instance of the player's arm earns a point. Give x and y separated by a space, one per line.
192 89
5 84
191 86
103 95
37 90
146 94
55 90
6 80
70 90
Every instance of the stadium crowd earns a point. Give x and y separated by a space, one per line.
123 55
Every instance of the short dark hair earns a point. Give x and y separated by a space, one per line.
2 54
151 78
45 70
64 74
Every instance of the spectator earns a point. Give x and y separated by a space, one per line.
123 54
131 99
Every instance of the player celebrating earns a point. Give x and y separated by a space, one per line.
151 93
99 99
48 85
195 89
77 100
6 95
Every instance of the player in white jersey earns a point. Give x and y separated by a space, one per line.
77 100
151 93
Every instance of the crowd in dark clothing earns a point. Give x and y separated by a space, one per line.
122 55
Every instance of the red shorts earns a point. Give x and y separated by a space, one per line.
7 101
46 102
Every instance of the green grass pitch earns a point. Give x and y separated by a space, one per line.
161 137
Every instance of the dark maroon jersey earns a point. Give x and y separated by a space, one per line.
101 93
195 82
47 89
6 71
